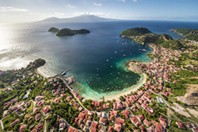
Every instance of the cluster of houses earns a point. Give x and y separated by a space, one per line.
122 109
19 108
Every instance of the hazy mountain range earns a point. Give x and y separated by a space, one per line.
83 18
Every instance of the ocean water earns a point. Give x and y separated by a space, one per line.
97 60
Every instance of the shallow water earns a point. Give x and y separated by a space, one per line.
97 60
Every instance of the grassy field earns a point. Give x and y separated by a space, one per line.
31 107
174 129
187 62
6 121
1 128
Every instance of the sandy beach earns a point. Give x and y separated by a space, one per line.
132 89
115 94
39 71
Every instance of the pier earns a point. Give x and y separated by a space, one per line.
63 73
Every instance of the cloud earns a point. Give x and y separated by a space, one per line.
135 0
87 13
71 6
122 0
97 4
47 15
12 9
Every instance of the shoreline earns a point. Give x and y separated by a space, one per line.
114 94
38 71
132 89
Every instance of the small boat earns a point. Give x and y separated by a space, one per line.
142 49
63 73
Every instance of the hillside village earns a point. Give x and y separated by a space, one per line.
32 103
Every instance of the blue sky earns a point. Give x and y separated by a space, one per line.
34 10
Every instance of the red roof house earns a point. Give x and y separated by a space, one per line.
180 125
22 128
46 109
14 123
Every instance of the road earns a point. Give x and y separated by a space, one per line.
2 124
62 78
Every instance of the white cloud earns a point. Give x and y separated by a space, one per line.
135 0
122 0
71 6
47 15
97 4
88 13
12 9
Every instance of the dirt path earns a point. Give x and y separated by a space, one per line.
191 96
193 77
193 112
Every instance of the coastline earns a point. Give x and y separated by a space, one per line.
115 94
132 89
39 71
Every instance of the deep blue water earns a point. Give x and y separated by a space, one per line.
97 60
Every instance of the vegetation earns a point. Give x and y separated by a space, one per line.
69 32
143 35
172 44
65 110
37 63
30 109
136 31
53 29
191 34
21 76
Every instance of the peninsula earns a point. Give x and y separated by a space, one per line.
191 34
67 32
30 102
144 36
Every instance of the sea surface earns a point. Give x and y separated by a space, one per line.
97 60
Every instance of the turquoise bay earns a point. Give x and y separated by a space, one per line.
97 60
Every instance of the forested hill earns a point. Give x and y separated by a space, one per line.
143 36
191 34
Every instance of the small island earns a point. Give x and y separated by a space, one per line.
191 34
144 36
29 101
53 29
67 32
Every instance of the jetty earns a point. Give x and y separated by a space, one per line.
63 73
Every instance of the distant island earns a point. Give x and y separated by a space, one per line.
82 18
191 34
67 32
144 36
53 29
165 100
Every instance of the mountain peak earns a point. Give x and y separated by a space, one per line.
82 18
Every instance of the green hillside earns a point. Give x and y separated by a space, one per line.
144 36
136 31
69 32
53 29
191 34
